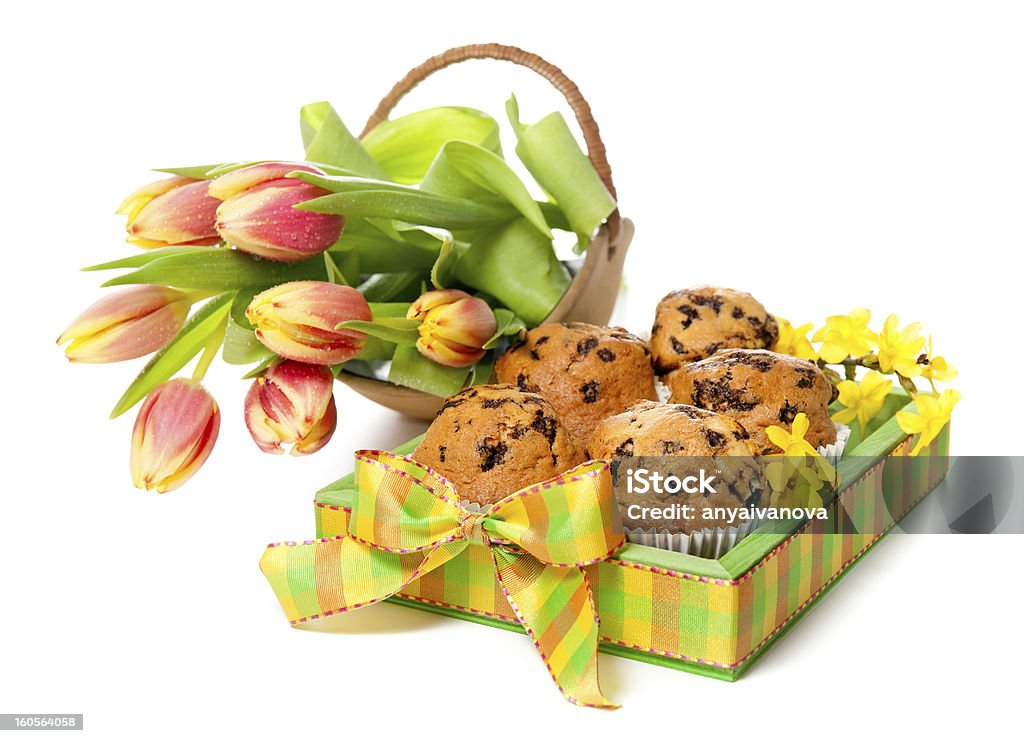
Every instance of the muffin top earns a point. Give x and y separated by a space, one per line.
587 372
759 389
655 429
692 324
493 440
684 439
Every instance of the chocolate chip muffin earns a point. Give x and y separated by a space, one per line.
586 372
656 433
759 389
692 324
492 440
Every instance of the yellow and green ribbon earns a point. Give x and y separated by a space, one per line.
407 520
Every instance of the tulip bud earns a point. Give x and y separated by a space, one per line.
454 326
292 403
126 325
258 213
297 321
174 211
174 434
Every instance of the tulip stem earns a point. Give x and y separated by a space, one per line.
210 351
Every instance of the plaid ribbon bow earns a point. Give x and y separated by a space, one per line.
406 521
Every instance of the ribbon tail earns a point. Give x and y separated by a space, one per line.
555 606
329 576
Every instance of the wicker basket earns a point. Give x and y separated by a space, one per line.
591 295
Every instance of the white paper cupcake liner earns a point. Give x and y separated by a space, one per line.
713 543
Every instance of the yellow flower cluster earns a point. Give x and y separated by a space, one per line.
848 340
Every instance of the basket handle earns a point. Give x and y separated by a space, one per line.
561 82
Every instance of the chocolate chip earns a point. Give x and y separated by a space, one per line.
788 413
625 449
585 346
542 340
492 454
545 425
716 394
589 391
671 447
606 355
534 355
523 383
716 439
689 313
678 347
738 313
441 452
495 402
703 300
806 380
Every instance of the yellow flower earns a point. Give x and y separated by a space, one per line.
898 350
793 444
937 368
793 483
846 336
793 341
863 400
933 412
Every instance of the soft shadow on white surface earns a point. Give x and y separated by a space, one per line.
379 619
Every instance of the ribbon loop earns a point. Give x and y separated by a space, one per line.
406 521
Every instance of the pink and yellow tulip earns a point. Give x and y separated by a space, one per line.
292 403
258 214
174 434
298 321
454 326
172 211
125 325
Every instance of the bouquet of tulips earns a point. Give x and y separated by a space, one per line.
416 249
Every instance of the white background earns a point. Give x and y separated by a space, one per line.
819 155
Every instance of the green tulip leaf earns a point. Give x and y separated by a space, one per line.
216 269
410 368
195 171
467 171
483 370
393 310
393 330
327 140
508 324
241 346
191 339
375 349
405 147
554 158
383 250
443 274
386 287
413 206
148 256
516 265
261 367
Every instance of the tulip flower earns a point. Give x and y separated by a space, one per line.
298 321
173 211
126 325
454 326
292 403
174 434
258 213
